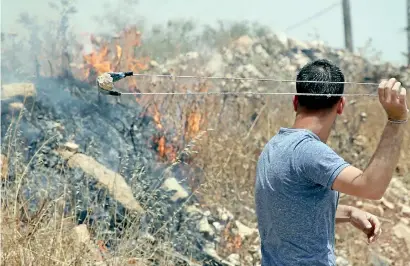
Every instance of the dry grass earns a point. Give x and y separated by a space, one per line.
227 155
37 229
236 129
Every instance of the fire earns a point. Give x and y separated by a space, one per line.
165 149
116 54
193 124
122 54
98 62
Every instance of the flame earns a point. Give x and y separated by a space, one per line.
119 51
121 54
193 124
165 150
157 117
161 146
97 60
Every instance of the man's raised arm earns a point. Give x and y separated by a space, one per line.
374 180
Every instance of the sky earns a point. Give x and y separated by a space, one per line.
381 21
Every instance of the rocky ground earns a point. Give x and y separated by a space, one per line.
98 154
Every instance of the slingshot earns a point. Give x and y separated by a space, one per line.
105 84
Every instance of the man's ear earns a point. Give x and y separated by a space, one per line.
295 103
341 105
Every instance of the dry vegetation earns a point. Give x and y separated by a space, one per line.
228 134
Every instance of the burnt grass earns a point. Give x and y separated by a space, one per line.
119 135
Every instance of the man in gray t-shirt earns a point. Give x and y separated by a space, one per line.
299 176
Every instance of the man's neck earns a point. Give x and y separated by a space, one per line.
321 125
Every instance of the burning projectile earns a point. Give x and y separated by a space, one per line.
105 82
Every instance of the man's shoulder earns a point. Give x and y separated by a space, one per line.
303 143
296 136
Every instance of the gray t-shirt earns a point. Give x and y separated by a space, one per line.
295 204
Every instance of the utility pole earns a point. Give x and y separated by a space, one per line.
347 22
408 32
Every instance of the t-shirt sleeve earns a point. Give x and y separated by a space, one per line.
317 162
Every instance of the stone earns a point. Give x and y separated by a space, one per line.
82 238
18 89
397 190
301 60
171 184
373 209
191 55
191 209
71 146
402 231
205 227
261 51
363 115
297 45
215 65
114 182
243 44
379 260
283 39
16 106
245 231
360 140
405 221
340 261
153 63
224 214
250 69
81 233
405 210
387 203
218 226
234 259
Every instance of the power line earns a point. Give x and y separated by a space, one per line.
316 15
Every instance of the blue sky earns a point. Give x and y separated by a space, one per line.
380 20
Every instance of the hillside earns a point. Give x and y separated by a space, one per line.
168 180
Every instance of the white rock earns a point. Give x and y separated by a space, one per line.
387 203
261 51
243 44
172 184
340 261
405 221
71 146
301 60
234 259
402 231
217 226
215 66
405 210
205 227
153 63
293 43
244 230
224 214
283 39
191 55
191 209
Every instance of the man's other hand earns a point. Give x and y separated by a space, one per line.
367 223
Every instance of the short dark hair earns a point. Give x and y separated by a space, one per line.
319 70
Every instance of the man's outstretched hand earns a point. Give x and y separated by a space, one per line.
367 223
